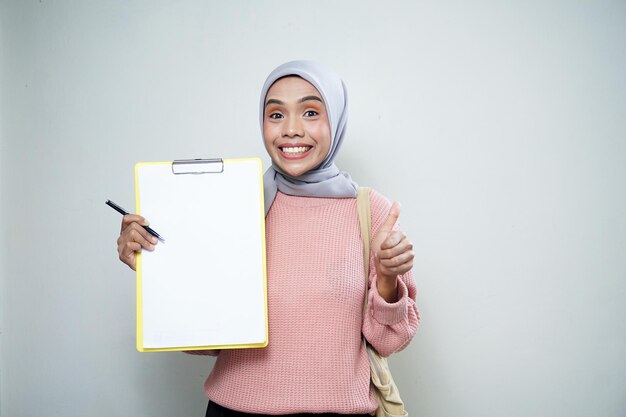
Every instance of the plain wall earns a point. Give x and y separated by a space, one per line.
499 126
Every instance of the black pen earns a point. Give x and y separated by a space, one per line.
124 213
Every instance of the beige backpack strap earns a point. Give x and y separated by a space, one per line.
365 221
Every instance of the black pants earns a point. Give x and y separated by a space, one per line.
216 410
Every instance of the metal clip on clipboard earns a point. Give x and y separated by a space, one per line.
198 166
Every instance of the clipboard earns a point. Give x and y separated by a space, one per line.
205 285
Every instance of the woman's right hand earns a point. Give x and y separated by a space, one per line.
133 238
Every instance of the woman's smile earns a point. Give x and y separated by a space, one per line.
295 151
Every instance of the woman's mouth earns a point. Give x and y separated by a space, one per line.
294 151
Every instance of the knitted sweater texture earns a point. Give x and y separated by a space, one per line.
315 361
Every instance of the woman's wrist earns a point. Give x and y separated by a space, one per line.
388 288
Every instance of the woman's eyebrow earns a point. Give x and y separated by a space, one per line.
274 101
307 98
302 100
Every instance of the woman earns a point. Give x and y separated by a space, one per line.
315 361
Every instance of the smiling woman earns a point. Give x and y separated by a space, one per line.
316 361
314 85
295 127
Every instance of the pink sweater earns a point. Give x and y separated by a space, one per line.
315 361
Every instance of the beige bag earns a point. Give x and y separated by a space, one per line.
390 403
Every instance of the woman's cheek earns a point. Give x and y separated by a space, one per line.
268 135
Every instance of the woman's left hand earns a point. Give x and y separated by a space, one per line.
393 255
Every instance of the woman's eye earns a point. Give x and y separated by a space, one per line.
310 113
275 116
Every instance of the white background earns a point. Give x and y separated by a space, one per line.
499 125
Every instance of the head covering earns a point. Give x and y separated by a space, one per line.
325 180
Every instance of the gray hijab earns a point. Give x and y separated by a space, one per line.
326 180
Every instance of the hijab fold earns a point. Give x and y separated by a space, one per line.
326 180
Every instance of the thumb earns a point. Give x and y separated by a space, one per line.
392 218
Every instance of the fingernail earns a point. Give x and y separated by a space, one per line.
154 240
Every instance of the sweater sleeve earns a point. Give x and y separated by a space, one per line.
389 327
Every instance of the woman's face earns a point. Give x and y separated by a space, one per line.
296 129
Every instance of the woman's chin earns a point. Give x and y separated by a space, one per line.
295 173
294 170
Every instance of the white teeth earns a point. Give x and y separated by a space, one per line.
296 149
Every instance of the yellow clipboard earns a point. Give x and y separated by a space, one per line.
204 286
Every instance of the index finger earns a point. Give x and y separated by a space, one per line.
133 218
393 239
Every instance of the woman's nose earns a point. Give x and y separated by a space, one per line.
293 128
